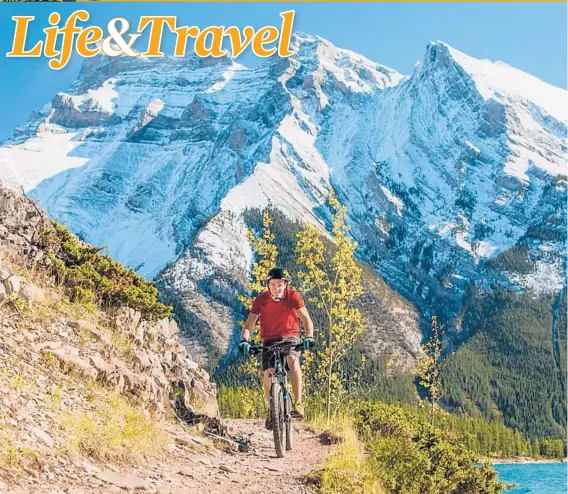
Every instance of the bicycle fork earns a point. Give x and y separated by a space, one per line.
283 383
286 399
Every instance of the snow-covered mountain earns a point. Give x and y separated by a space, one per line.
443 171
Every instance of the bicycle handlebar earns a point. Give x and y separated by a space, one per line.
256 349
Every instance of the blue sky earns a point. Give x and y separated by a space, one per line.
529 36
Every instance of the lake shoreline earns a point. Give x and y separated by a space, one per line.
522 461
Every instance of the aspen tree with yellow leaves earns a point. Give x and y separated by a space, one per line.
428 366
265 253
331 280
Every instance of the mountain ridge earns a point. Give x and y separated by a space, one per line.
440 170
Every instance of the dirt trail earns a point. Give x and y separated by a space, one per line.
259 470
210 471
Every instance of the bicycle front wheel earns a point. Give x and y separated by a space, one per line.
277 415
289 431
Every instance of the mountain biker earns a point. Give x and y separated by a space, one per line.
280 308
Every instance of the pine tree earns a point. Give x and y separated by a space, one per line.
536 449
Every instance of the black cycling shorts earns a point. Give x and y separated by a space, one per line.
268 355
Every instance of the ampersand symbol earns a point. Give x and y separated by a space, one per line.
120 45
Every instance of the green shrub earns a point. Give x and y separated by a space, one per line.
92 278
411 456
401 467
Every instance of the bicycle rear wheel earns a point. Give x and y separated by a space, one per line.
277 415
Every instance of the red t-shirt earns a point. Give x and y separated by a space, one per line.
278 319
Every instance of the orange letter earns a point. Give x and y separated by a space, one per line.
264 35
237 47
51 36
216 42
286 34
22 22
181 41
156 34
68 32
85 39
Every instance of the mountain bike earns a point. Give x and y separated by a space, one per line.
280 398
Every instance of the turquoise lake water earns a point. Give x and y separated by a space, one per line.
535 478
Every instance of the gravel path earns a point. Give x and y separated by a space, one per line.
210 471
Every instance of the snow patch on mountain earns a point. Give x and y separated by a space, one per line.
399 205
226 77
47 154
548 277
97 99
502 82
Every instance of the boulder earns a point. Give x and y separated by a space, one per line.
92 330
124 481
47 346
103 368
13 284
128 320
69 356
3 294
43 436
32 293
5 273
141 360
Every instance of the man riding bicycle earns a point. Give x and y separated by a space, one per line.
280 309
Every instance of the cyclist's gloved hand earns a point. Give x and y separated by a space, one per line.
244 347
308 343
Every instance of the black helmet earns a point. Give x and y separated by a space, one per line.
278 274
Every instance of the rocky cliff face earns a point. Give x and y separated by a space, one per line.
120 349
442 171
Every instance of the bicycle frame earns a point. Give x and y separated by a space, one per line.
280 376
280 411
280 373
